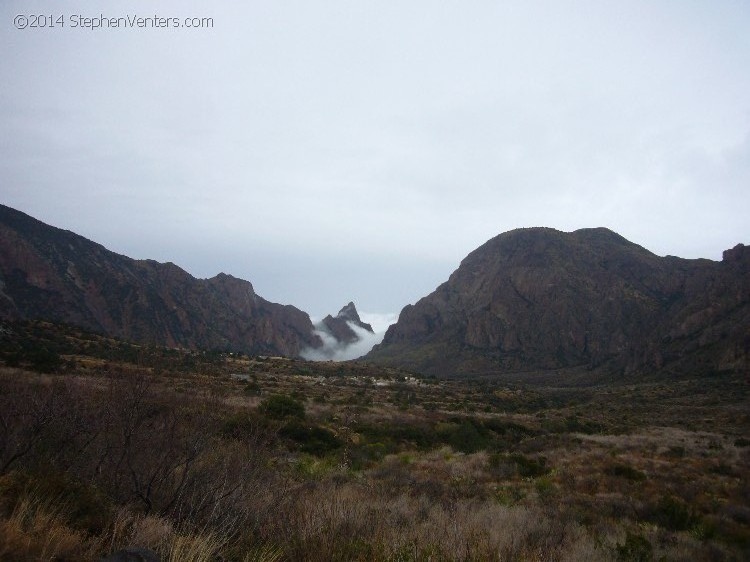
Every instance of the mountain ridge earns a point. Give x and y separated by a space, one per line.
541 299
54 274
528 300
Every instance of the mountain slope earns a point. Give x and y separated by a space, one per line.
53 274
538 299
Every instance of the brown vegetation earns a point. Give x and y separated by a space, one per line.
217 456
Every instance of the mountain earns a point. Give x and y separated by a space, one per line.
53 274
538 299
339 326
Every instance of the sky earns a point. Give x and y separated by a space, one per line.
330 151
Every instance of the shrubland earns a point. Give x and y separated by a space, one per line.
220 456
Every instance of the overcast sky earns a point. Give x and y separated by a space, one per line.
330 151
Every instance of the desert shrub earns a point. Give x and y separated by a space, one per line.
625 471
315 468
137 444
735 535
738 513
42 357
243 426
38 421
573 424
366 455
280 406
505 466
707 529
464 435
393 476
500 466
723 469
675 451
45 360
528 467
509 494
252 388
674 514
511 429
554 425
311 439
635 549
396 436
545 488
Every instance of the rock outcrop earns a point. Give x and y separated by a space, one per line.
339 326
56 275
538 299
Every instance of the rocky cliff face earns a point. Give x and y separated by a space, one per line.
339 327
52 274
538 299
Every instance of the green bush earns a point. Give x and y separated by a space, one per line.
242 426
40 359
314 439
465 435
545 488
635 549
398 436
674 514
366 455
279 407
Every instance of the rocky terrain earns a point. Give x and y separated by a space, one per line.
52 274
539 300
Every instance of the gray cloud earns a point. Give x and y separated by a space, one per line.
333 350
329 148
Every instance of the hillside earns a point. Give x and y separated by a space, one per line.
53 274
538 299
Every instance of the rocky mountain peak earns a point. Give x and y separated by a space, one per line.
339 326
738 256
537 299
349 312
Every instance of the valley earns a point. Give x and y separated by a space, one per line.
562 396
196 455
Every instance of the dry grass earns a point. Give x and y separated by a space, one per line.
554 474
37 530
378 527
200 547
